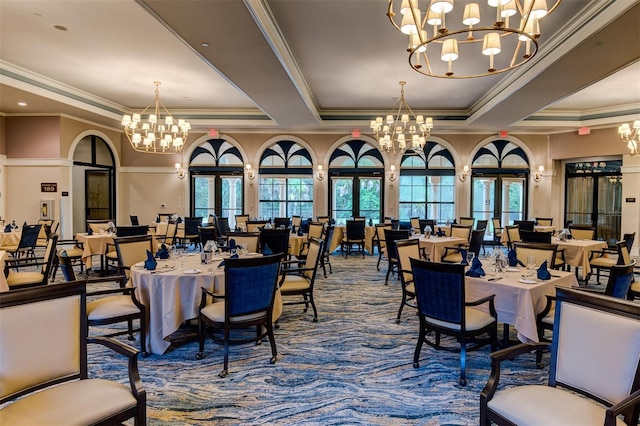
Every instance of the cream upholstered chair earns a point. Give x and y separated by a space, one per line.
256 225
415 223
252 239
544 221
513 235
44 369
132 250
461 231
241 220
322 219
316 230
583 232
467 221
594 374
542 252
379 241
300 281
97 225
296 221
20 275
606 258
406 250
497 231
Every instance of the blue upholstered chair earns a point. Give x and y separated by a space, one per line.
594 375
249 292
442 308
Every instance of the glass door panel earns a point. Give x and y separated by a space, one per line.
231 202
513 200
609 209
580 192
342 197
483 202
204 200
370 200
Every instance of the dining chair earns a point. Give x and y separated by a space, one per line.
35 271
316 230
191 234
379 241
277 240
249 292
165 217
606 258
241 221
461 231
406 250
222 226
44 373
111 255
251 239
467 221
45 231
594 372
513 235
497 231
424 223
113 305
169 238
355 232
322 219
415 223
535 236
325 258
544 221
73 249
542 252
296 221
281 222
132 250
454 254
299 281
98 225
583 232
443 309
390 237
525 225
207 233
134 220
256 225
27 244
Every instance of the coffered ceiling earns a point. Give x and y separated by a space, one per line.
303 66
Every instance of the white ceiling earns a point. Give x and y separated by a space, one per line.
303 65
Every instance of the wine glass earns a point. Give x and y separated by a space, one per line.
531 264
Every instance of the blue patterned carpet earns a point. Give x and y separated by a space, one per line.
354 366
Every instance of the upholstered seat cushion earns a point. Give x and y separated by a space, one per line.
548 319
545 405
16 279
215 312
112 255
109 307
72 252
294 283
72 403
475 318
10 248
604 262
454 257
410 288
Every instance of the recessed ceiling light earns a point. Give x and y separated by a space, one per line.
205 44
22 104
60 27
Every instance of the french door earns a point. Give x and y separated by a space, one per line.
217 194
356 196
502 196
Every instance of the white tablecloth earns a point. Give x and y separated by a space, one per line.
174 296
517 303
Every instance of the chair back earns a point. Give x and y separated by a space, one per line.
252 239
461 231
628 239
49 347
586 328
66 266
131 231
132 250
313 259
513 234
277 240
47 224
620 279
467 221
355 229
475 243
359 218
315 230
191 225
415 223
222 226
296 221
406 250
328 239
207 233
256 225
172 229
250 286
390 237
439 289
97 225
134 220
544 221
284 222
428 222
481 224
29 238
49 255
322 219
540 251
395 224
379 235
165 217
624 258
497 226
583 232
535 237
241 220
525 225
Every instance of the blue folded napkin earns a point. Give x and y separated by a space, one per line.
150 263
90 232
266 251
476 269
543 273
440 233
463 253
163 253
300 232
231 245
513 260
7 228
293 229
235 256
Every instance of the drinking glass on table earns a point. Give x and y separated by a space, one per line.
531 264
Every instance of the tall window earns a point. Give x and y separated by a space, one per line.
427 184
356 169
216 172
286 181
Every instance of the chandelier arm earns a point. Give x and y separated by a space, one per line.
515 54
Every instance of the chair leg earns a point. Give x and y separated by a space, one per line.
463 361
201 332
421 337
272 343
225 369
313 306
400 310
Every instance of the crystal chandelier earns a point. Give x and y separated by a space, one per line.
402 131
158 134
442 33
631 136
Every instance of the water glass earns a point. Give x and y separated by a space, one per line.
531 264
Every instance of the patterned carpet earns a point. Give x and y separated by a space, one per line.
354 366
